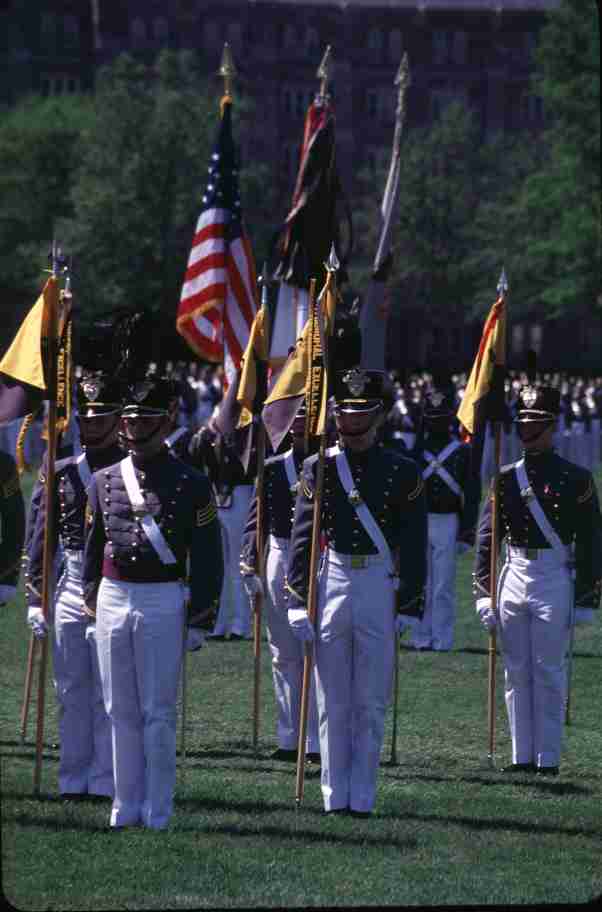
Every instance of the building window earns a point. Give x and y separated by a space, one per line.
290 37
48 31
235 35
211 35
518 338
372 103
375 40
440 54
312 41
161 29
395 44
138 33
536 334
459 47
71 31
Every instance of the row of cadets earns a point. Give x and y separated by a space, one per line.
452 494
373 565
549 517
281 487
151 525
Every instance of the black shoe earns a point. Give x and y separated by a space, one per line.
518 768
336 812
290 756
363 814
547 771
314 758
98 799
74 796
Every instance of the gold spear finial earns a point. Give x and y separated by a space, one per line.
227 69
323 73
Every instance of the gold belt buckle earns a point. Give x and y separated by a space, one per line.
358 562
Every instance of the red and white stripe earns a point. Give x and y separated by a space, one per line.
218 300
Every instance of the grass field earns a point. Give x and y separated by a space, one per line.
448 830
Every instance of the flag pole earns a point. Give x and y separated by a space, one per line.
502 288
47 561
27 687
258 598
312 597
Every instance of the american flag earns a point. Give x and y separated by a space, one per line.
219 294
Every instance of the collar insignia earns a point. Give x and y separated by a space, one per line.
436 399
356 381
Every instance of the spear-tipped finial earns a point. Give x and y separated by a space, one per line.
227 69
333 261
323 72
502 285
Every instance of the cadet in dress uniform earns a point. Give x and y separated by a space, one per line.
281 485
374 522
452 495
12 527
147 516
85 765
217 454
548 508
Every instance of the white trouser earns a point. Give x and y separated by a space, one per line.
534 607
355 647
139 632
234 615
85 763
287 656
436 629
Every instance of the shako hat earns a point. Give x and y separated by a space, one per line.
98 394
538 403
355 388
149 397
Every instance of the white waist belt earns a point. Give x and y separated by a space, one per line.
543 555
354 561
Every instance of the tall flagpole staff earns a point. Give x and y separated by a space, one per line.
402 81
312 597
258 597
502 288
50 340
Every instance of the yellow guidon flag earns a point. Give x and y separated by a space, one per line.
24 367
481 399
253 370
304 373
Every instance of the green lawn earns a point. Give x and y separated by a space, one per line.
447 831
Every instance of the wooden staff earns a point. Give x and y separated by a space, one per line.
47 559
28 683
258 598
493 586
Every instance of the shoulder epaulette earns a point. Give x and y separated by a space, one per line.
206 515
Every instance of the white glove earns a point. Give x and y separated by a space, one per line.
300 624
584 616
252 586
90 634
462 548
36 621
486 615
195 638
7 593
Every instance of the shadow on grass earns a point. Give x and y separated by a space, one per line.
496 778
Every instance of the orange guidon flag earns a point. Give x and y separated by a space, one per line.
253 377
485 388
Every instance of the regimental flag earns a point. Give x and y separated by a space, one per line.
483 397
310 230
305 373
252 387
26 376
219 294
374 314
